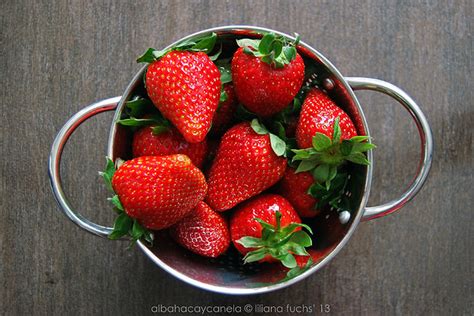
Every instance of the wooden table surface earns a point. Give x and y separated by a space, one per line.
59 56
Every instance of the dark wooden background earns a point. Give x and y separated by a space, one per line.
59 56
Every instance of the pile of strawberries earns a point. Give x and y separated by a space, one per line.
232 150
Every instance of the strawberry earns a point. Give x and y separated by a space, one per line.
247 162
267 228
225 111
185 87
328 138
158 191
159 141
267 73
203 231
294 187
318 115
184 84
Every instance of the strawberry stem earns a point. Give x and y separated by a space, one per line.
272 49
327 154
325 160
281 243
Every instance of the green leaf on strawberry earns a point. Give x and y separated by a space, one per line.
293 273
278 145
258 128
272 49
140 111
321 142
289 52
203 44
159 129
226 76
216 55
151 55
159 123
132 121
332 196
137 106
280 130
327 154
108 173
223 97
281 243
122 225
116 202
138 231
306 165
247 42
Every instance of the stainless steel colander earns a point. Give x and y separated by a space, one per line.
228 274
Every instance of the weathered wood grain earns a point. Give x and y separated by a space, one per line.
59 56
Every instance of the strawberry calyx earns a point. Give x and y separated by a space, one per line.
157 126
137 106
124 225
134 116
294 272
281 243
327 154
203 44
334 196
272 49
278 145
145 121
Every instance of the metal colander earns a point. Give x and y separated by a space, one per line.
228 274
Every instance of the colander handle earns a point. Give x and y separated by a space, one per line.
55 164
426 137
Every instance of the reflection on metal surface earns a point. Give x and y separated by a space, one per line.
426 138
55 164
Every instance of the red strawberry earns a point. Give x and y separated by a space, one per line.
302 261
244 166
318 115
148 141
185 87
294 187
267 228
159 191
203 231
225 112
267 74
329 139
314 255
